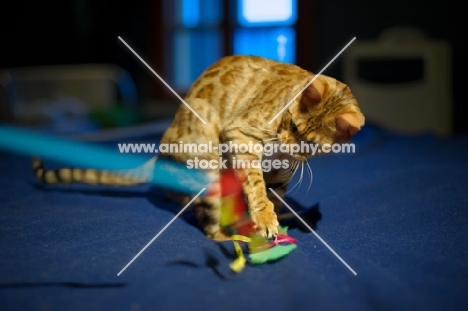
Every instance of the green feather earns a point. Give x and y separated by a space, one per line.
272 254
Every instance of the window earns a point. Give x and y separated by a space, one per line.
199 32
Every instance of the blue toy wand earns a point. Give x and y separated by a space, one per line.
167 174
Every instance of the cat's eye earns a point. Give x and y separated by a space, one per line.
293 126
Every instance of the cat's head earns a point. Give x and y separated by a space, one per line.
326 113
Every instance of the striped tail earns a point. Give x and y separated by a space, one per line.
139 175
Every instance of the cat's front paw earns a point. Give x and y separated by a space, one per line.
266 222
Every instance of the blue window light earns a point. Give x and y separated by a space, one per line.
195 13
190 13
254 13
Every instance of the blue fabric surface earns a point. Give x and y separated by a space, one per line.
395 211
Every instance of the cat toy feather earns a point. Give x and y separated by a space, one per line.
236 221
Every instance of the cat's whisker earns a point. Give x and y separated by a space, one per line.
296 166
282 174
292 169
311 176
301 178
302 174
287 174
299 181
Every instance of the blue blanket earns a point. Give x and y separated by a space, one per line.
395 211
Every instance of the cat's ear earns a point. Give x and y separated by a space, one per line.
348 124
313 94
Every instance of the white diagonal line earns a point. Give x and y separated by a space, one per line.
313 79
312 230
167 85
159 233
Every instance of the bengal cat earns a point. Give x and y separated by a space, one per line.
238 97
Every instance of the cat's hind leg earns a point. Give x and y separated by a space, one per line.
207 212
189 131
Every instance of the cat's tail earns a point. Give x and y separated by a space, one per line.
139 175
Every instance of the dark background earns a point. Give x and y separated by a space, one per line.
74 32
